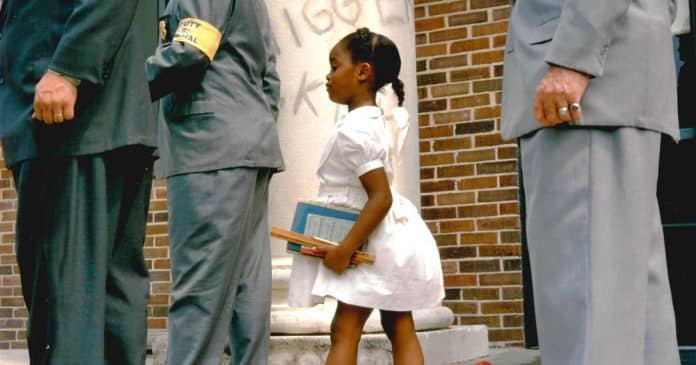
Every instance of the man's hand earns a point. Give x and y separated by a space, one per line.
54 99
558 96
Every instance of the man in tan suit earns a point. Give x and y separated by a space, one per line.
589 89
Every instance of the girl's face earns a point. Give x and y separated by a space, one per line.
343 81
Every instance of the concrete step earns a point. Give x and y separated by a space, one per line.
454 345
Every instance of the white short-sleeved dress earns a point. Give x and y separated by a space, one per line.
407 272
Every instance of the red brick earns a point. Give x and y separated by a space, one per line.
433 186
468 18
512 292
433 159
471 73
447 8
499 223
490 321
500 250
474 127
449 62
479 4
496 167
466 225
488 140
476 156
435 132
480 30
502 307
432 105
476 183
452 116
497 195
510 237
486 86
480 293
499 41
449 267
424 25
455 171
455 198
512 265
460 280
487 112
462 307
509 208
439 213
469 45
430 51
452 144
486 238
448 35
427 173
479 266
446 239
475 211
501 13
487 57
450 89
513 321
508 152
432 79
470 101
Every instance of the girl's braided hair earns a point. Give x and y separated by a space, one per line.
381 53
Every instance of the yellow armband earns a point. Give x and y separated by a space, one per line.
200 34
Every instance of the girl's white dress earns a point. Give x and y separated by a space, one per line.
407 272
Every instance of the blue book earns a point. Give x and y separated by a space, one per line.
325 221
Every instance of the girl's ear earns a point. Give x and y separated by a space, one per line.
365 71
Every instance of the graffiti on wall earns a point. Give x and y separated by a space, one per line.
318 18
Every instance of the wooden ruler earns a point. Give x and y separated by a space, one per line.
359 257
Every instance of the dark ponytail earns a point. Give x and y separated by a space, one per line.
398 87
382 53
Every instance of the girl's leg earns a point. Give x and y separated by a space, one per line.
346 329
401 331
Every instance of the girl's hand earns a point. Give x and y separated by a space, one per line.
337 259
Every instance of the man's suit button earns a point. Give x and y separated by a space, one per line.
2 80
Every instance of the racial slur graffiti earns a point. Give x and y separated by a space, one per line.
320 17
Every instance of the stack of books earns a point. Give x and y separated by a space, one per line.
317 224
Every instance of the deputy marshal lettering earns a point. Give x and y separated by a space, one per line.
199 34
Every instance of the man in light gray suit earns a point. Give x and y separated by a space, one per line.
589 87
215 66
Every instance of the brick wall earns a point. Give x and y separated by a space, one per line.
468 180
468 173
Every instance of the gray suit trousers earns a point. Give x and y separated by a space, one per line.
221 267
596 247
80 231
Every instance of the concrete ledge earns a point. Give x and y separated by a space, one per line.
453 345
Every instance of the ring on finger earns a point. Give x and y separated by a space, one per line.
574 107
563 110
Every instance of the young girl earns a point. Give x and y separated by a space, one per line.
356 172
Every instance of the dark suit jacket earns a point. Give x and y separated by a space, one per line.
95 41
218 113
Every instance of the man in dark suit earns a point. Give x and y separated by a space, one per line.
219 147
78 133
